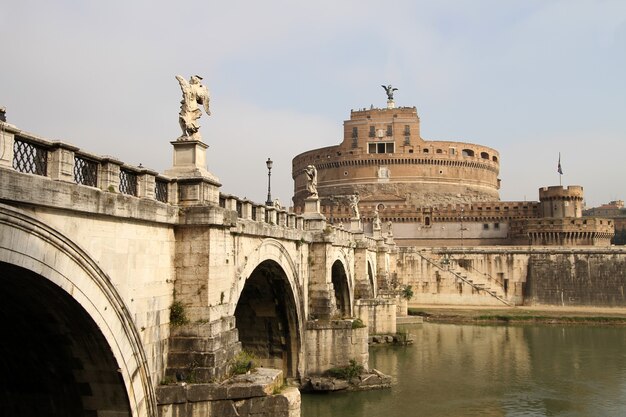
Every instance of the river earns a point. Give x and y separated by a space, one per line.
514 370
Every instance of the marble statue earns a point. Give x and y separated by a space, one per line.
354 206
390 228
311 177
194 93
389 90
376 222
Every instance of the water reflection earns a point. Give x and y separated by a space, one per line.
465 370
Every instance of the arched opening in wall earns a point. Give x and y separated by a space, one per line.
494 158
340 286
484 155
370 279
426 221
468 152
267 320
54 359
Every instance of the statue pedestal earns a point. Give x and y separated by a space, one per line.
391 104
196 185
355 225
313 218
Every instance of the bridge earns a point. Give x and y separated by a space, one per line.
118 281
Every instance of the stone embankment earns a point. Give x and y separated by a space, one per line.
521 315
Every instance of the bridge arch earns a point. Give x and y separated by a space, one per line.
269 309
342 280
52 278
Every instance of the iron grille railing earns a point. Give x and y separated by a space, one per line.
160 191
128 182
85 171
30 158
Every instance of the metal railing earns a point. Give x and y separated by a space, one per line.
160 191
128 182
85 171
29 158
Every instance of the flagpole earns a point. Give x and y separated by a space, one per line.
560 170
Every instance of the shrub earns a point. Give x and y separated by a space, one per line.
407 292
358 323
242 363
346 372
178 317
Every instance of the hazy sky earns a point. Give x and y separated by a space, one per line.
528 78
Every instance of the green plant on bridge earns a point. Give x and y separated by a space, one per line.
358 323
243 363
178 317
346 372
407 292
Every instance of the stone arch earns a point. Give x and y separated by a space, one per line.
371 274
31 251
268 309
342 281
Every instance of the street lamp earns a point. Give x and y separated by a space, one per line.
269 186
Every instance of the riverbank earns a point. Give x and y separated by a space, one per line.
520 314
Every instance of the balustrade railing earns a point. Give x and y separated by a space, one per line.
85 171
128 182
29 158
160 191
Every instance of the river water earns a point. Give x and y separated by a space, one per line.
516 370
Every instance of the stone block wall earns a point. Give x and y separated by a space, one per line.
577 279
333 343
379 315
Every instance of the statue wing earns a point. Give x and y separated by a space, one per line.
183 83
384 86
204 99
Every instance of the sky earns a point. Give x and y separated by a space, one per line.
530 78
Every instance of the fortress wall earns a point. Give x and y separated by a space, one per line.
577 279
538 276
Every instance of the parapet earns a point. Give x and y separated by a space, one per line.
559 192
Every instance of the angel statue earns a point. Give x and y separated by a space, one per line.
389 90
354 205
311 177
194 93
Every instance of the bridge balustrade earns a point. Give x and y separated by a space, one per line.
30 154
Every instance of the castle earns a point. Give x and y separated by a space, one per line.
435 193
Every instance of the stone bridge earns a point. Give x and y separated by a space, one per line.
116 280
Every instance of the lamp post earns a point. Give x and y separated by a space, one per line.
269 186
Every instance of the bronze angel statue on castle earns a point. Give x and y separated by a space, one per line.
194 93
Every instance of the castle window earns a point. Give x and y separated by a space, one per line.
407 130
496 226
372 132
389 130
468 152
486 226
355 133
425 150
383 147
452 151
407 140
439 151
494 158
484 155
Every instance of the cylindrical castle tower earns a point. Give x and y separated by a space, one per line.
560 202
383 153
